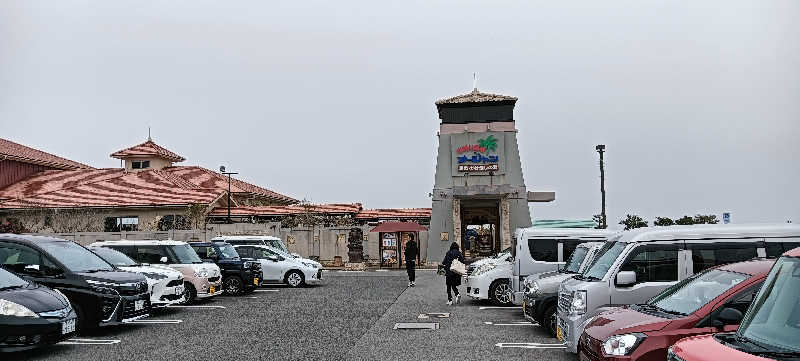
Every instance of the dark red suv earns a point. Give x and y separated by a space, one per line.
714 300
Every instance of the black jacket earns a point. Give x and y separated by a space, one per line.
411 251
448 260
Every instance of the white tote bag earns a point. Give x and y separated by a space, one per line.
458 267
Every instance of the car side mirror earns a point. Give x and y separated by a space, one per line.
626 278
728 316
273 258
164 259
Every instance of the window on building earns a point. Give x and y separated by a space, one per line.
117 224
544 250
140 164
707 255
654 263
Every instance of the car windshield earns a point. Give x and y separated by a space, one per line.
9 280
608 254
575 259
773 319
696 292
75 257
227 251
184 254
277 244
116 258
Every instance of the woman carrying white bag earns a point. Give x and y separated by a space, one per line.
454 268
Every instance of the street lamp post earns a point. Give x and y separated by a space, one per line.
222 170
601 148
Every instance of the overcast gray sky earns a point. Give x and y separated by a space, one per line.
698 102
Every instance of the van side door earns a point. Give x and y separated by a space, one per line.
656 265
707 253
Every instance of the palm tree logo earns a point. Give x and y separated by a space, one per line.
489 143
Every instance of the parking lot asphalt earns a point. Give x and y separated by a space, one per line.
351 316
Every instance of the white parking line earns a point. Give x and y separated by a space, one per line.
266 291
194 306
499 308
513 323
251 297
532 345
155 322
88 341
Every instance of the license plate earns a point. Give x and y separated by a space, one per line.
68 326
138 305
255 281
559 334
179 290
211 290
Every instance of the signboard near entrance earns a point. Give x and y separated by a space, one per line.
478 168
478 152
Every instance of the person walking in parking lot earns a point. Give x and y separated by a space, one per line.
411 259
452 279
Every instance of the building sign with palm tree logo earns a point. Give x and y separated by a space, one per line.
479 156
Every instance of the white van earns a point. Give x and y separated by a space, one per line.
643 262
270 241
541 250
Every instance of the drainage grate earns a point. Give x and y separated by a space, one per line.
416 326
434 315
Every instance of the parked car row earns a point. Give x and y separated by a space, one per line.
632 295
52 289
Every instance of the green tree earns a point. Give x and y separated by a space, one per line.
685 221
705 219
663 221
632 221
599 221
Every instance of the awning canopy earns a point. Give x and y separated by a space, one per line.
399 227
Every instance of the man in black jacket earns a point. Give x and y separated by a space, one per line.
411 252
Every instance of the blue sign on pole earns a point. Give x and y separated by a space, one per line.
726 217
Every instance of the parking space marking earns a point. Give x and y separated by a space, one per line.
155 322
194 306
266 291
512 323
532 345
88 341
251 297
434 315
500 308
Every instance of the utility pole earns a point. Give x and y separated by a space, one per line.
222 170
601 148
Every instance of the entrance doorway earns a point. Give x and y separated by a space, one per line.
480 227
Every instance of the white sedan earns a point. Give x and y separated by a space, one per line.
277 268
164 283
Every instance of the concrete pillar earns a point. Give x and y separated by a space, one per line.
505 225
456 222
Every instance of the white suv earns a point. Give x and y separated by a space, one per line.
164 283
275 243
277 268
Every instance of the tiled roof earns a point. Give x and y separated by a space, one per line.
209 179
102 188
475 97
117 188
21 153
148 148
394 213
346 208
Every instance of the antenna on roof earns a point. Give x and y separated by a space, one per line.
148 134
474 82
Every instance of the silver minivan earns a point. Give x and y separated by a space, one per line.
541 250
643 262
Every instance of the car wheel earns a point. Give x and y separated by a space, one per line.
189 293
549 318
81 323
233 285
294 279
500 293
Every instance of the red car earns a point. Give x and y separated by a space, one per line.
769 331
711 301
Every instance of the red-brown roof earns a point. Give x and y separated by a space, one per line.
209 179
476 97
399 227
346 208
147 149
117 188
391 213
21 153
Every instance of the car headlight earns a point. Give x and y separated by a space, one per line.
622 345
308 264
203 273
154 276
578 306
8 308
483 269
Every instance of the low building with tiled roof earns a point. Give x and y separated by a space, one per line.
17 162
148 188
353 211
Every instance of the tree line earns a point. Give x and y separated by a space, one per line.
632 221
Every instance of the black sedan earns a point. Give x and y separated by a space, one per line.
32 315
